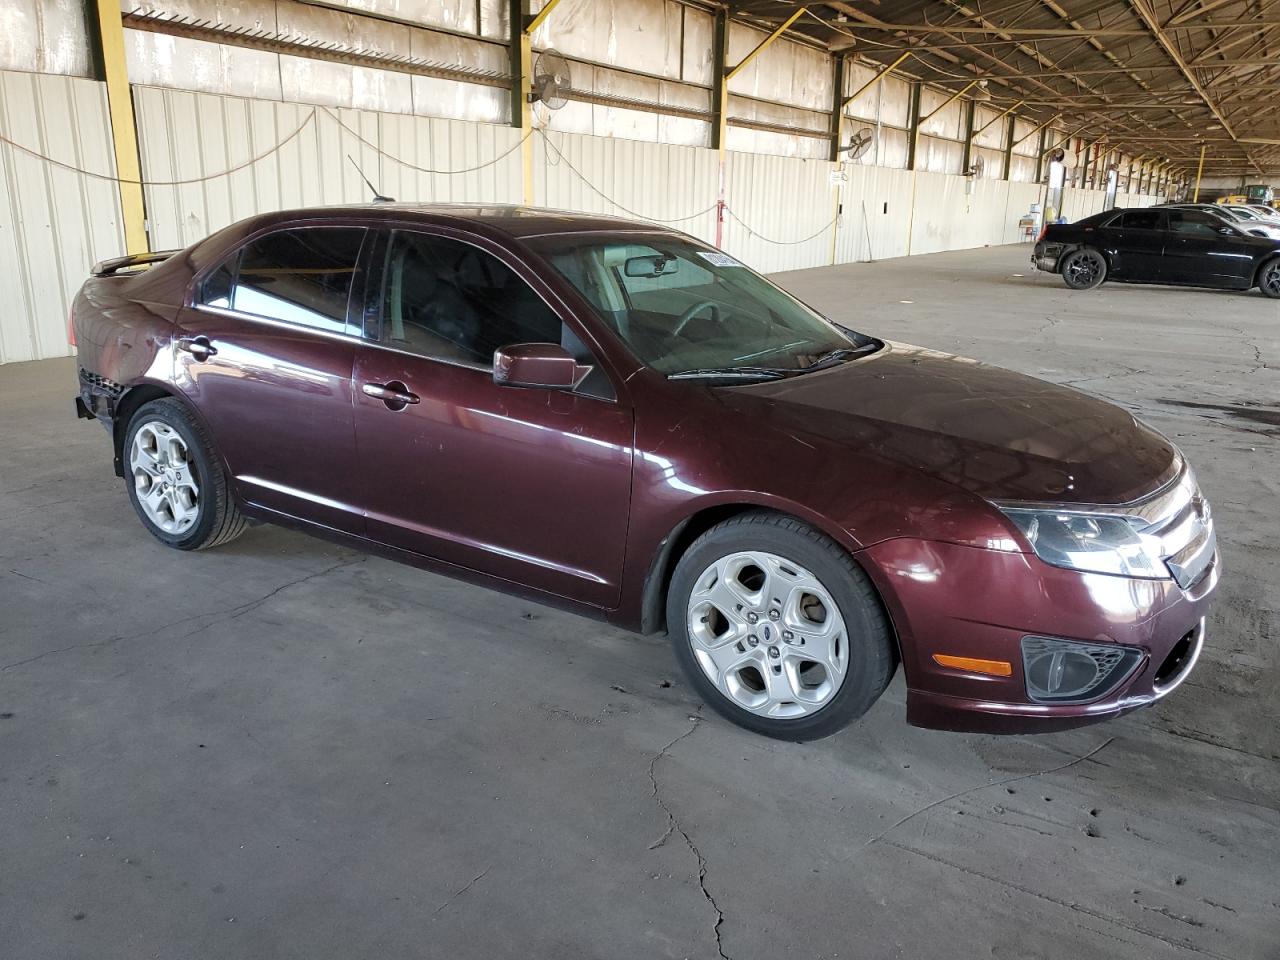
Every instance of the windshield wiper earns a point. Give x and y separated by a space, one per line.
840 355
742 373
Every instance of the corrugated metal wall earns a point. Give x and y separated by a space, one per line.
54 223
196 135
238 156
781 211
663 182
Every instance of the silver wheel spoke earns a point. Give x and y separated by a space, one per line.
768 634
163 477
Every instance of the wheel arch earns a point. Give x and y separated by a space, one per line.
134 397
671 548
1265 262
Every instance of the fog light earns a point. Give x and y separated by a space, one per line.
1064 671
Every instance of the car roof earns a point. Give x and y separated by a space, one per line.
514 220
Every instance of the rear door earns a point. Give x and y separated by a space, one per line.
1137 239
265 355
1204 249
526 484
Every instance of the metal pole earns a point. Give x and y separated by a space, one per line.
124 130
1200 171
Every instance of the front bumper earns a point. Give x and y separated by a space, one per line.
971 602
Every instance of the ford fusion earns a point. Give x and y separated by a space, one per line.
623 421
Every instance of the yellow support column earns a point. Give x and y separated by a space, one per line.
526 116
124 130
523 24
1200 171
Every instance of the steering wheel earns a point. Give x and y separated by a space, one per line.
693 311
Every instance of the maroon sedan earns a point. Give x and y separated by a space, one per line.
616 418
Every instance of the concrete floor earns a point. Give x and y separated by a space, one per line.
283 749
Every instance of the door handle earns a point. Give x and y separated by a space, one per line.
394 394
198 347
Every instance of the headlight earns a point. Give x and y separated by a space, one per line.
1095 543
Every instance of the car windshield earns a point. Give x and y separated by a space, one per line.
686 309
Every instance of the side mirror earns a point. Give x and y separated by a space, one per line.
546 365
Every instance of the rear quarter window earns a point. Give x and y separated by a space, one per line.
302 276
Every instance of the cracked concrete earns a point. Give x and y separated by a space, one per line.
283 749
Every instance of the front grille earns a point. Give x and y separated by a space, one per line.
1181 518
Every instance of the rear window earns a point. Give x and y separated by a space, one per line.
302 276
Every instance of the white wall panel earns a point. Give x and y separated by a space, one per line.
193 135
45 36
785 200
875 221
941 121
54 223
993 131
666 183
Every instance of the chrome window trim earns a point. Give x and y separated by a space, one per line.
273 322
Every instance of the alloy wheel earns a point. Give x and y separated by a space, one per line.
1084 269
1271 280
768 634
164 477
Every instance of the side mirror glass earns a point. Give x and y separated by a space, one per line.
546 365
649 267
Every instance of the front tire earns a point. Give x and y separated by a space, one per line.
175 481
1269 279
778 629
1084 269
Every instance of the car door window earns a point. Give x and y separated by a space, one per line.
448 300
302 276
1141 220
1191 223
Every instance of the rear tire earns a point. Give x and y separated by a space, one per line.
1084 269
777 627
1269 279
175 481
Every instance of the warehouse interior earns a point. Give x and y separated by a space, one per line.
290 748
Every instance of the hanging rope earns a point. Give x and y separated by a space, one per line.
413 166
782 243
561 158
160 183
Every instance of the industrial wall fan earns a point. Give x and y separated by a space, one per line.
859 143
551 81
977 168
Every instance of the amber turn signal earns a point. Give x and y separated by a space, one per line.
994 668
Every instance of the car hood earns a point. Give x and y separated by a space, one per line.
993 432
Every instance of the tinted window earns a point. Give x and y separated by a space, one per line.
1194 223
216 291
301 276
451 301
1141 220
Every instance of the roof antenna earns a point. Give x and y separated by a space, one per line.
377 197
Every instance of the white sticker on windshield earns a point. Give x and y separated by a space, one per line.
718 259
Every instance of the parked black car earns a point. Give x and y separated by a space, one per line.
1159 245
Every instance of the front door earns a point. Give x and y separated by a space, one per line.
1203 248
526 484
265 355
